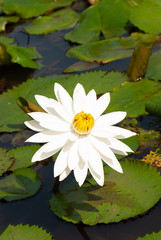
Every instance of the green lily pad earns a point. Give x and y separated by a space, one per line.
23 156
25 232
31 8
106 17
22 183
62 19
13 116
4 20
132 96
152 236
154 66
6 160
147 16
122 196
110 49
21 55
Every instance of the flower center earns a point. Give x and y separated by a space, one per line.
83 122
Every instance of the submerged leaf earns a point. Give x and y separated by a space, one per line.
80 66
122 196
61 19
25 232
153 158
22 183
6 160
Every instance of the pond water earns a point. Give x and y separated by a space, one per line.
35 210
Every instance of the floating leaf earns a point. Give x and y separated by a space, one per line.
31 8
122 196
110 49
6 160
132 96
25 232
4 20
22 183
62 19
152 236
153 108
106 17
13 117
80 66
23 156
28 106
21 55
147 16
154 66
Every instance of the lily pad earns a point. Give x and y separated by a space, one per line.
62 19
154 66
13 116
152 236
132 96
4 20
108 50
80 66
21 55
22 183
31 8
23 156
147 16
25 232
106 17
122 196
6 160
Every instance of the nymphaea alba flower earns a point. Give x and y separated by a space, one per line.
76 128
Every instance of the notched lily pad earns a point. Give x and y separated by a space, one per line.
25 232
61 19
101 81
22 183
122 196
23 156
20 55
154 66
152 236
6 160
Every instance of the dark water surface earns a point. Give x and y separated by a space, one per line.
35 210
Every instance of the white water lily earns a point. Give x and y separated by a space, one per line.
77 128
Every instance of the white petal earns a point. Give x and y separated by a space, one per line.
34 125
63 97
56 125
61 162
73 156
111 118
118 145
80 172
57 142
41 154
42 117
64 174
42 137
78 98
43 101
99 178
101 105
60 110
102 132
83 148
90 102
105 153
120 133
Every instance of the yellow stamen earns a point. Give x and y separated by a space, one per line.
83 122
